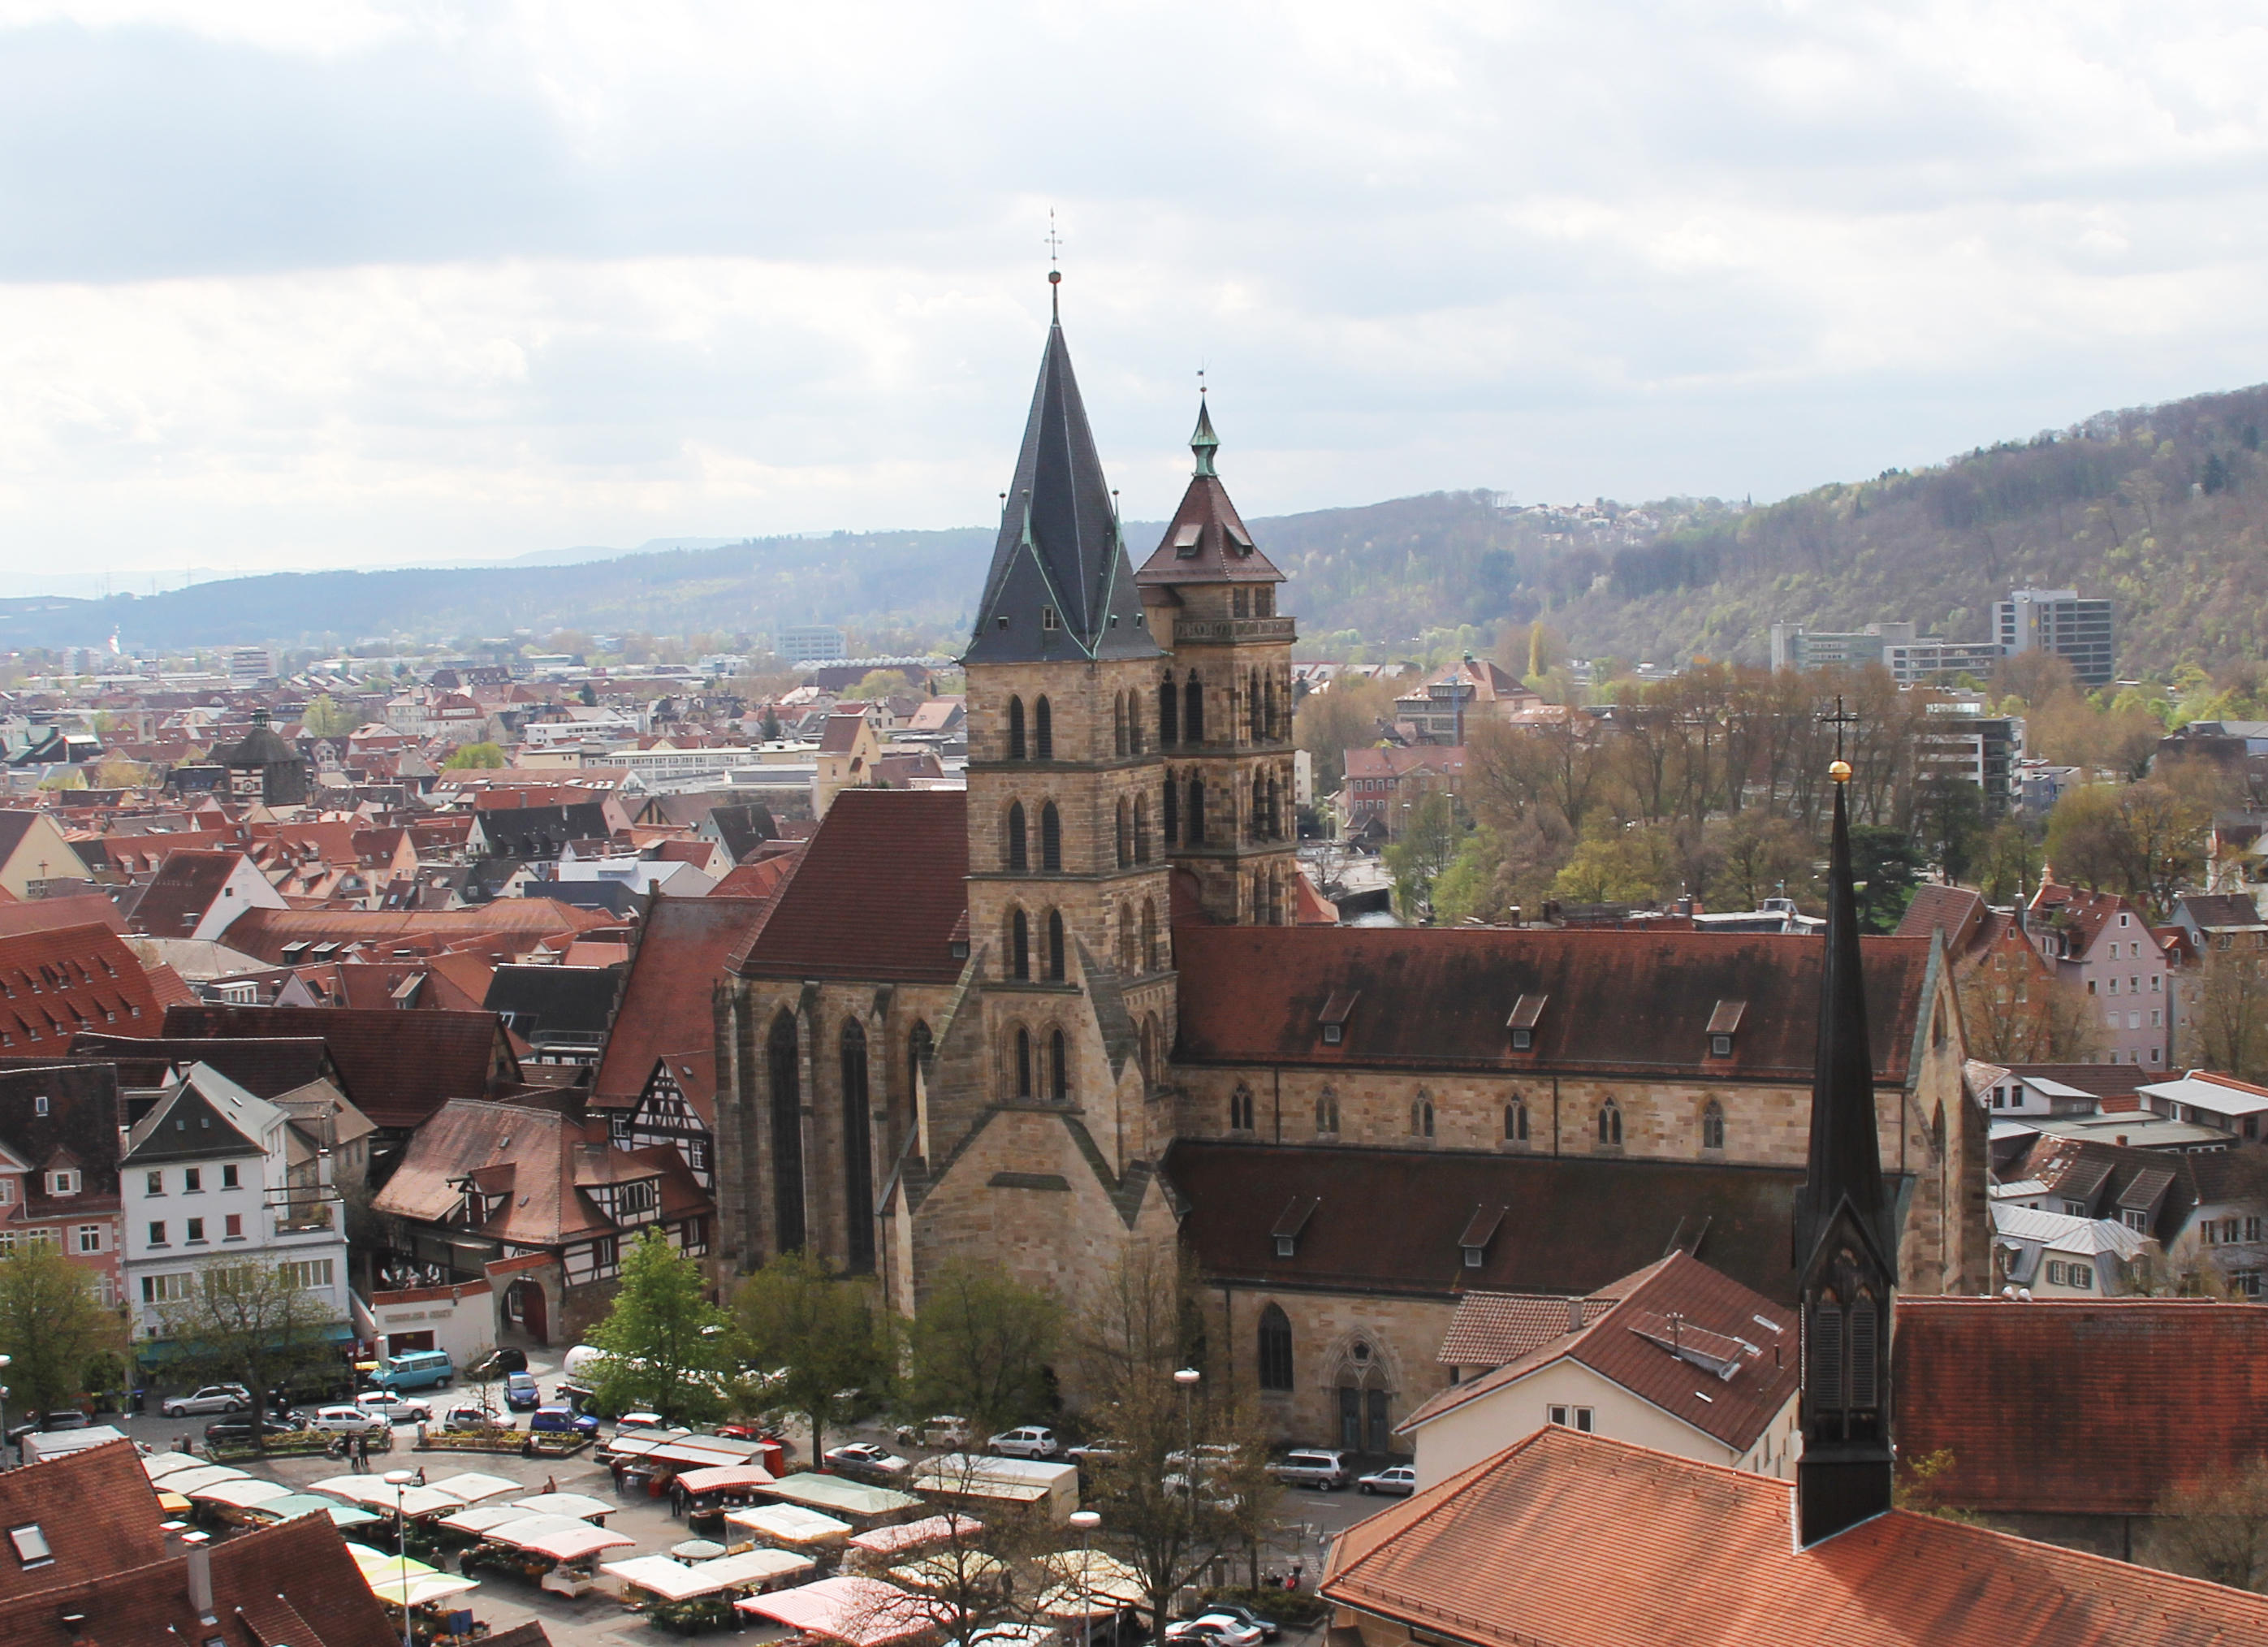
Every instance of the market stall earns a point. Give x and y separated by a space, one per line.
855 1611
860 1505
580 1506
475 1487
707 1494
158 1466
787 1527
879 1548
749 1572
228 1502
556 1551
1088 1585
186 1482
293 1505
416 1503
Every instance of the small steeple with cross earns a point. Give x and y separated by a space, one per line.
1841 771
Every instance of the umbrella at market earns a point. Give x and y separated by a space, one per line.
418 1589
697 1550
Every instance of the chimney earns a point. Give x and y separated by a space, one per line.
1574 1315
199 1563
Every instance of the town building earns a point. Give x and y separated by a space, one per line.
59 1168
2058 621
1959 741
1385 785
1676 1357
33 849
810 643
213 1176
1439 708
2101 945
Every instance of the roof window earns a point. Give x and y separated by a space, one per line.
1286 1235
1047 617
31 1545
1526 1012
1336 1012
1185 539
1480 1229
1724 1023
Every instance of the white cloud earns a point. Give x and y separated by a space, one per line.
308 283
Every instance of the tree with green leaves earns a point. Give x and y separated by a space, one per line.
52 1327
327 718
1429 839
1882 862
1949 823
815 1345
667 1346
246 1321
469 756
982 1347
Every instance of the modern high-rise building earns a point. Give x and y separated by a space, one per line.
810 643
2058 621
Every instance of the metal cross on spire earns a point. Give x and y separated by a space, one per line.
1055 268
1838 721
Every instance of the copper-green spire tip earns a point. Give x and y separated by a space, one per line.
1204 442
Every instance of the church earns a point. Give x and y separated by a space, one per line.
1068 1013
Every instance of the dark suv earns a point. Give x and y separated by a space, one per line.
238 1432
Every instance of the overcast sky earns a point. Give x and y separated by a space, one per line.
291 283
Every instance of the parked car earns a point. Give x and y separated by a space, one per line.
559 1419
1026 1441
64 1418
415 1369
631 1424
238 1432
349 1420
1210 1631
468 1417
1089 1454
1398 1479
213 1398
1269 1628
863 1458
943 1429
756 1432
521 1394
395 1409
497 1363
1312 1467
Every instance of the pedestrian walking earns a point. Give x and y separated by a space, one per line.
362 1455
550 1483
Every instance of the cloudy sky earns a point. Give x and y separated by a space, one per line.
291 283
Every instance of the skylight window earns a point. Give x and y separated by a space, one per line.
31 1545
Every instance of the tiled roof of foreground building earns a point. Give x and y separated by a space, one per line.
1574 1539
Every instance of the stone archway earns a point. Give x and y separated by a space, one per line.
1364 1386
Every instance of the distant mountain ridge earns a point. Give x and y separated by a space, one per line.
2159 507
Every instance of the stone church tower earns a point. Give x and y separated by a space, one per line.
1223 703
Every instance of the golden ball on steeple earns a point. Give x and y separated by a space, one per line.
1840 772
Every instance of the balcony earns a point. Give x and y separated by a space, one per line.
1229 630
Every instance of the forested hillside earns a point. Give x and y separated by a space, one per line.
2160 508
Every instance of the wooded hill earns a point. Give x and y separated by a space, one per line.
2159 507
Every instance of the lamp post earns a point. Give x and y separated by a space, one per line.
6 1362
399 1480
1086 1521
1188 1377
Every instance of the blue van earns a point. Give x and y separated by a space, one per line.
415 1369
558 1418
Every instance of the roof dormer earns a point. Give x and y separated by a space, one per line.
1724 1025
1285 1236
1527 1014
1480 1231
1334 1015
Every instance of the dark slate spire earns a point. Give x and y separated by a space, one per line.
1060 586
1845 1242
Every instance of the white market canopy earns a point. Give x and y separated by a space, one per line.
581 1506
186 1482
565 1545
789 1524
158 1466
380 1494
418 1591
838 1498
915 1535
243 1495
472 1486
679 1580
485 1519
860 1612
1090 1585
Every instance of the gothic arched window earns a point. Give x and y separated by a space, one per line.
1197 829
1240 1109
1255 728
1168 704
1712 1126
1015 728
1193 711
1421 1117
1055 946
1151 962
1051 837
1327 1112
858 1149
1275 1339
1125 833
1118 722
1043 731
1141 829
1015 838
1023 1062
1610 1123
1515 1122
1059 1068
787 1135
1019 945
1169 812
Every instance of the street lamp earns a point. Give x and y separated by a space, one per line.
1086 1521
399 1480
6 1362
1188 1378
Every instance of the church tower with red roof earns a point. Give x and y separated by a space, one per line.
1221 704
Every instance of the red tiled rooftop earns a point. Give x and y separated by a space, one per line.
877 895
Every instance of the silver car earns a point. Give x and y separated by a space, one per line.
1399 1479
349 1420
1026 1441
213 1398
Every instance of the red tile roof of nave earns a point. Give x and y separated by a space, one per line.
682 954
1636 1002
878 894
